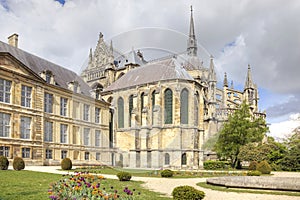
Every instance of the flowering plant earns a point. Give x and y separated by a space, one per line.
84 186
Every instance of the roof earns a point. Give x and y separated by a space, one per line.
168 69
61 75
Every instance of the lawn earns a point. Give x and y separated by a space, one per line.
28 185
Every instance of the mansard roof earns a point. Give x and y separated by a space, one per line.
62 75
168 69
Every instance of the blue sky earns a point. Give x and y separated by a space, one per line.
264 34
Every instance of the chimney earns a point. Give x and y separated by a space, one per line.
13 40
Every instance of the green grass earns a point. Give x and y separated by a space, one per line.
28 185
224 189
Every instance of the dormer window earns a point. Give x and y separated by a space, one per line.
74 86
48 76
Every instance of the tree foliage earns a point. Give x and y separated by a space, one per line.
240 129
291 160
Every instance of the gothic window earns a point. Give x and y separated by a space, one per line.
48 131
63 106
4 125
183 159
168 106
184 106
26 96
5 86
153 105
130 108
63 133
48 101
142 105
120 112
25 127
167 159
196 109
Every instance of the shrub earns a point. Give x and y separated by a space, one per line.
254 173
18 163
124 176
253 165
187 192
166 173
264 167
212 165
3 163
66 164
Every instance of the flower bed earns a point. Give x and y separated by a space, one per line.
86 186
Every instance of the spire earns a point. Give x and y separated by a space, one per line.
192 42
111 47
212 69
225 82
248 83
231 85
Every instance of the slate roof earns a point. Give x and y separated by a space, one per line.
168 69
61 75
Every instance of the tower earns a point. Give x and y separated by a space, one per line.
250 91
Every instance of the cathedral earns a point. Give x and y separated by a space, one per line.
122 110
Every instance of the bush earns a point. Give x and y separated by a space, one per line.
212 165
187 193
254 173
166 173
253 165
124 176
3 163
264 167
18 163
66 164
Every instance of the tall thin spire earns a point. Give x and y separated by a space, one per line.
192 42
249 83
212 72
225 82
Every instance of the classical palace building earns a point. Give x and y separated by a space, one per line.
122 110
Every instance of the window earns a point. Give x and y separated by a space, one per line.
48 101
76 109
4 151
97 156
25 152
97 115
63 133
130 108
64 154
48 76
63 106
86 155
25 127
168 106
184 106
196 109
97 138
183 159
86 136
4 124
120 112
48 154
5 86
167 159
26 96
48 131
153 105
75 133
142 106
86 112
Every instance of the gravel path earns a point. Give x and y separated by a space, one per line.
165 186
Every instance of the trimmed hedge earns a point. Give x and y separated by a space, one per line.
254 173
124 176
167 173
18 163
3 163
212 165
253 165
66 164
187 193
264 167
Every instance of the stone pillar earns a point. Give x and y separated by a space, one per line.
132 159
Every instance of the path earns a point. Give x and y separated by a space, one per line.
165 185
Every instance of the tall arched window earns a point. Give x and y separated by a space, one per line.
196 109
167 159
130 108
120 112
142 105
153 105
184 106
168 106
183 159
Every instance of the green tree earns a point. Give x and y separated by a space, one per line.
291 161
240 129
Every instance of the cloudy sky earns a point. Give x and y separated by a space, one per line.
264 34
